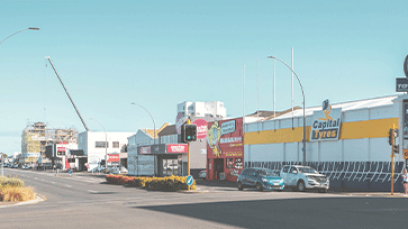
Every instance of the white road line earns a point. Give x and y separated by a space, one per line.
53 182
69 186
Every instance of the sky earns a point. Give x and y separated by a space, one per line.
160 53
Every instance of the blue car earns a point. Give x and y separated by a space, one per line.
260 178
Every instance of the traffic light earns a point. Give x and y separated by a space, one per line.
390 136
395 149
189 133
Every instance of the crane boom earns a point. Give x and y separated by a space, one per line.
66 91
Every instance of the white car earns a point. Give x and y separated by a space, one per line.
116 170
303 178
202 174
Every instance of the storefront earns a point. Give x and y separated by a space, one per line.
168 159
225 149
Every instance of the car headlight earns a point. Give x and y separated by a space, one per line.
265 180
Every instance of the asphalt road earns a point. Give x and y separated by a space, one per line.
83 201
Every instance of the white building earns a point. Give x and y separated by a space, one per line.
98 144
214 109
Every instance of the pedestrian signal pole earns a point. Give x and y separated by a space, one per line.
188 157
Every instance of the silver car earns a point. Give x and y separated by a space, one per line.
302 178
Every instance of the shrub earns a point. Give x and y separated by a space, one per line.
168 184
11 181
15 193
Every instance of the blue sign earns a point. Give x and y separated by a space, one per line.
70 171
190 180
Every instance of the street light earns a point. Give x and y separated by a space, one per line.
21 30
304 107
106 144
154 125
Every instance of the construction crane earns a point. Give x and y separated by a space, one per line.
66 91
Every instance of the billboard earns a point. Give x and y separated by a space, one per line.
326 123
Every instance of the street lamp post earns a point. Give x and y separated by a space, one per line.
106 145
304 107
154 125
21 30
154 135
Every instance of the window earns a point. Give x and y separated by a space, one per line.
292 170
71 160
101 144
115 144
285 169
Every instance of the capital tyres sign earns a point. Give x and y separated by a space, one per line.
201 128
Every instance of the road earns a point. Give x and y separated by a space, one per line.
85 201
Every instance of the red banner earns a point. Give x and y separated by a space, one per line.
201 128
177 148
113 157
60 149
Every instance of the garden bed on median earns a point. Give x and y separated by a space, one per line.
167 184
12 189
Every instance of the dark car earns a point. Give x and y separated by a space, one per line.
261 179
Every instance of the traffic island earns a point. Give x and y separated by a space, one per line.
12 190
165 184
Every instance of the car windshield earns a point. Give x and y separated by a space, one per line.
265 172
307 170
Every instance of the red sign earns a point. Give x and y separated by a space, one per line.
113 157
201 128
146 150
60 149
177 148
62 143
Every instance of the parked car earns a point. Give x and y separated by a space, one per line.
25 167
302 178
202 174
44 166
261 179
14 166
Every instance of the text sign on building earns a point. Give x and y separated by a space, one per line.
402 85
113 157
177 148
60 149
201 128
146 150
326 123
228 127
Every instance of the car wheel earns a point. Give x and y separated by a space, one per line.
259 187
240 186
301 186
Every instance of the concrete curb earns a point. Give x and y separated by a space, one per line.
38 198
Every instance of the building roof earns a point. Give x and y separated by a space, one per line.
168 130
152 133
345 106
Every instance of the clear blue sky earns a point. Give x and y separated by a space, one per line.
160 53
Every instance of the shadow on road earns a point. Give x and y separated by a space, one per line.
298 213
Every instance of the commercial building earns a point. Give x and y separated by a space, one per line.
103 147
346 141
214 109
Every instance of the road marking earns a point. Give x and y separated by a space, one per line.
69 186
53 182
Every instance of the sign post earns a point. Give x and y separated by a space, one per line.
188 158
393 136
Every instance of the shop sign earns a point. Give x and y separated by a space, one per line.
402 85
228 127
201 128
326 123
230 140
146 150
177 148
113 157
60 149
